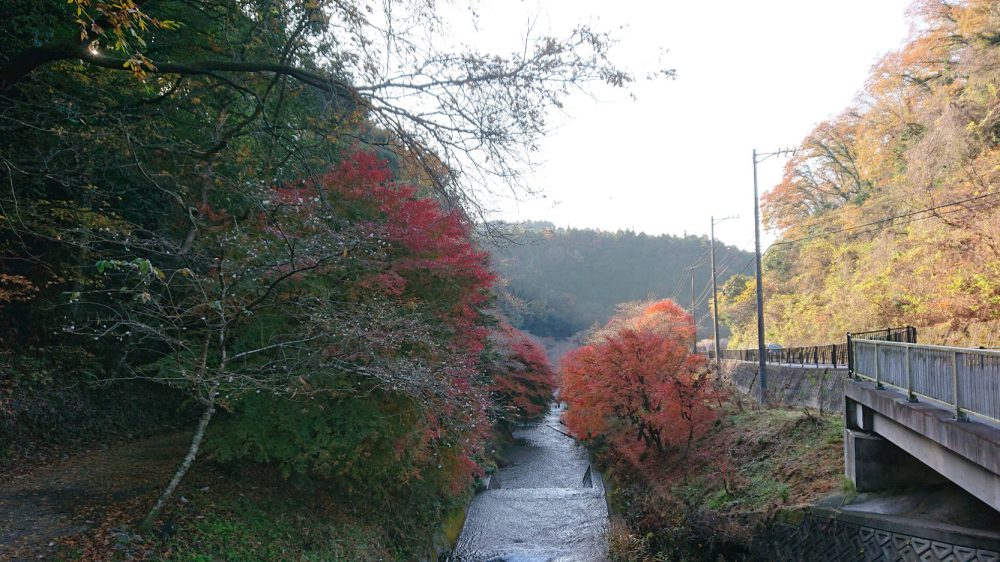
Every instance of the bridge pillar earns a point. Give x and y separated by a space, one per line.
874 463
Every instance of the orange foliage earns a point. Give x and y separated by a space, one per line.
890 211
640 387
15 288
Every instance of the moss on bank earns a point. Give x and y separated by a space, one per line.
234 512
708 501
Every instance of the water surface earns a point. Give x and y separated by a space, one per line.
547 508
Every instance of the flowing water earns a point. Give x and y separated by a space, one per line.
544 506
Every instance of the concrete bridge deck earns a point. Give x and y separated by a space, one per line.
890 441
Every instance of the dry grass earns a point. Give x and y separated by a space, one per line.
750 464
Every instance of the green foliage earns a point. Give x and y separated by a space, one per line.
57 396
260 532
561 281
373 448
368 443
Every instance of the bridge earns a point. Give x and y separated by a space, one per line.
915 414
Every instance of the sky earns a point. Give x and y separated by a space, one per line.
757 74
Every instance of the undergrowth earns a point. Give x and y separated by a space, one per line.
249 512
707 502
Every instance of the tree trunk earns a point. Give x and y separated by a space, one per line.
199 434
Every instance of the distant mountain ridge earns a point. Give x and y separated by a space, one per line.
562 280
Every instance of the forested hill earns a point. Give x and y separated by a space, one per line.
562 280
889 212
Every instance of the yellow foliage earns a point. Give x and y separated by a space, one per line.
890 212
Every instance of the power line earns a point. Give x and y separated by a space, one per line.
882 223
703 296
885 220
676 293
879 224
700 261
679 286
915 219
824 220
750 263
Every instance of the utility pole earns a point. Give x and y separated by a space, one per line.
761 357
694 316
761 351
715 295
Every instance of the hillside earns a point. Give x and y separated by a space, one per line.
562 280
888 212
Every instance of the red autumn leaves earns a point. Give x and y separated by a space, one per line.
637 384
522 378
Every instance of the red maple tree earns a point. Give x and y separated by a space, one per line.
523 380
639 385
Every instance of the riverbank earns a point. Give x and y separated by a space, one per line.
710 500
85 507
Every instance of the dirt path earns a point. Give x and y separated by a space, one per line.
43 509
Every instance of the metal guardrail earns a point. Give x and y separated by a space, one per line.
907 334
833 354
836 355
966 379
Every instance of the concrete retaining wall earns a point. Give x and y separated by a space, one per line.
821 534
789 386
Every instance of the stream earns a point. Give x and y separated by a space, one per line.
544 506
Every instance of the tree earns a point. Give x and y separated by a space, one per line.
168 173
637 383
888 215
561 281
288 301
738 309
523 380
480 112
823 174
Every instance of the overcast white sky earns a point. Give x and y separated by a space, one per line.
750 74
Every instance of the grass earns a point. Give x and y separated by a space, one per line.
249 513
252 532
749 466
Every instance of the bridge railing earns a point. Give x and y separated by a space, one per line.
966 379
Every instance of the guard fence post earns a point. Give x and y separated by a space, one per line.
959 414
850 356
878 376
910 395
